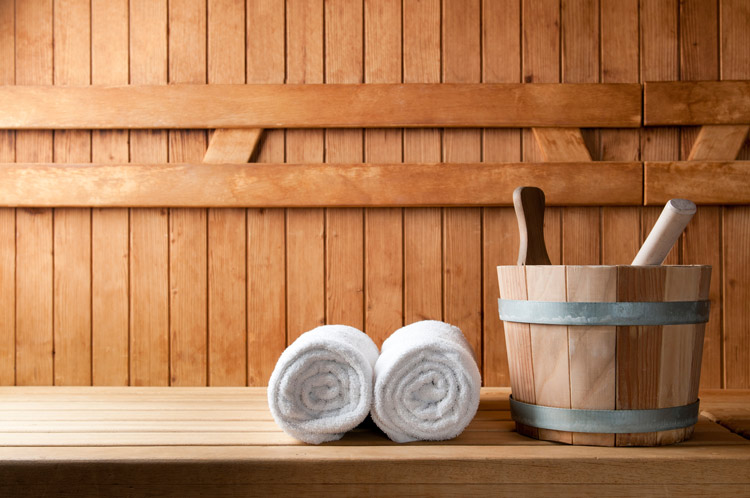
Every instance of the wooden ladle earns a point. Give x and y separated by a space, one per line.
529 205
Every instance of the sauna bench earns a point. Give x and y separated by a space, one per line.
130 441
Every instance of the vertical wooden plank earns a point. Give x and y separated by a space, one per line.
735 64
621 226
149 244
72 227
187 227
592 349
541 64
638 349
305 228
383 227
266 273
227 301
34 350
462 227
423 257
580 64
109 227
549 346
701 243
677 343
659 62
7 215
344 227
501 63
512 283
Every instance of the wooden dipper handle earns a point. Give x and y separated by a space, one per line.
529 205
672 221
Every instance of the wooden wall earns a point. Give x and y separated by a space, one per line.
196 296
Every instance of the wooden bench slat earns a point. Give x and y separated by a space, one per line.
321 106
315 185
685 103
703 182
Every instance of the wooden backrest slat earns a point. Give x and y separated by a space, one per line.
686 103
321 106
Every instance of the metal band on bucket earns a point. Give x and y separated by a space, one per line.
604 421
599 313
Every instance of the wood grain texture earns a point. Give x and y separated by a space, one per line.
384 244
540 63
592 350
735 64
109 227
696 103
550 356
462 228
703 182
619 31
580 63
149 228
659 43
227 238
7 216
719 142
317 106
501 51
344 228
232 145
512 285
701 244
266 246
188 292
305 228
561 144
423 252
152 184
639 349
72 227
34 315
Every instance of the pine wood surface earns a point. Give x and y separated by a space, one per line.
696 103
703 182
191 440
312 105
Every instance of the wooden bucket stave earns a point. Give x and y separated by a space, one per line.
605 367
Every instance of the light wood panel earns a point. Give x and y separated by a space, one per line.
149 228
226 230
72 227
109 227
384 244
34 315
501 63
423 254
302 185
266 237
317 106
462 227
305 228
344 228
7 216
703 182
696 103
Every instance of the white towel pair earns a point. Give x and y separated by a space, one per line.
423 386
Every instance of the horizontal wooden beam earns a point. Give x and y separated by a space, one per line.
309 185
321 106
683 103
702 182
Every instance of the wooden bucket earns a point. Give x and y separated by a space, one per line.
605 355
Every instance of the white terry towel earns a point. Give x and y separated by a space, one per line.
426 383
321 386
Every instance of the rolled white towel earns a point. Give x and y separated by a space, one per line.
321 386
426 383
